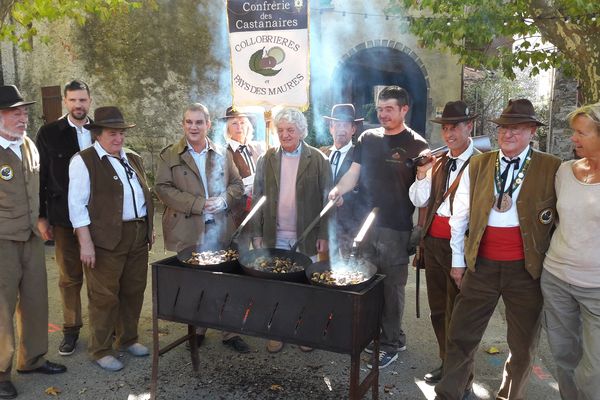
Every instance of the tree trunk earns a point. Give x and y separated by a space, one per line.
579 41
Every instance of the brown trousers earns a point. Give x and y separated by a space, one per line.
473 309
116 291
24 288
70 277
441 289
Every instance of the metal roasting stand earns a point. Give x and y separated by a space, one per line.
298 313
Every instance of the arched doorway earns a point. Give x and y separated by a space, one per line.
364 68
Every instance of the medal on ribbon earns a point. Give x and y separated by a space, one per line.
503 200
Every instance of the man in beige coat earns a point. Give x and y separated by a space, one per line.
23 286
198 183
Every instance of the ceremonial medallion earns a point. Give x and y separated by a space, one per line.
505 203
6 172
546 216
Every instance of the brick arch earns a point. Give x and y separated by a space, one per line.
419 66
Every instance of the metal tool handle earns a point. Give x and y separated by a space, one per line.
314 223
256 207
363 231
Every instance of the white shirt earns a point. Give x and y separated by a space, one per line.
459 220
84 136
79 189
335 168
420 191
14 145
200 161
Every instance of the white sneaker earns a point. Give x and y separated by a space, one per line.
110 363
138 350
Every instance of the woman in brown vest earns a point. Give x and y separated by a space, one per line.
571 276
110 207
245 152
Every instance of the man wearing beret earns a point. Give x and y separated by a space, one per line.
23 285
434 189
507 199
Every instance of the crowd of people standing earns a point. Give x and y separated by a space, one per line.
514 223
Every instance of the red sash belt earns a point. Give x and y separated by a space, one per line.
502 244
248 203
440 227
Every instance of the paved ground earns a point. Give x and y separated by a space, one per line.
291 374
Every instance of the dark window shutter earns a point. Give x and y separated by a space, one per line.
51 103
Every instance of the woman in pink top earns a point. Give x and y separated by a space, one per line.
571 277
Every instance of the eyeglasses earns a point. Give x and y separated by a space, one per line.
514 130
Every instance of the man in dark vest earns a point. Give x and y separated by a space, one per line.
23 284
507 199
347 220
57 142
435 188
245 153
111 210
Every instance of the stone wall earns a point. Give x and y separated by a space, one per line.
153 61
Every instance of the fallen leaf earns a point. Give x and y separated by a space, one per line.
52 391
82 391
493 350
276 388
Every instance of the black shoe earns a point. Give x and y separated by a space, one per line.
48 368
237 344
199 340
434 376
7 390
68 344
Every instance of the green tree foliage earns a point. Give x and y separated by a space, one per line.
502 35
18 18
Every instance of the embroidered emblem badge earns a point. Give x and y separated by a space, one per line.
546 216
6 172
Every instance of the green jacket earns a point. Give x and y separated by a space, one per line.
313 183
536 206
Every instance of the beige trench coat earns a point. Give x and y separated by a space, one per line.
180 188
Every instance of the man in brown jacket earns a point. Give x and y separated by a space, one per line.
296 178
23 285
507 199
198 182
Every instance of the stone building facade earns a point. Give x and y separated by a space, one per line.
153 61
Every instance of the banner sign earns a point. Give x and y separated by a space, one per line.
269 52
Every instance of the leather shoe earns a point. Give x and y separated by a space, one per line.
274 346
7 390
434 376
48 368
237 344
68 344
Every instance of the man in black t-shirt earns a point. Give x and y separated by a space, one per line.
383 178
